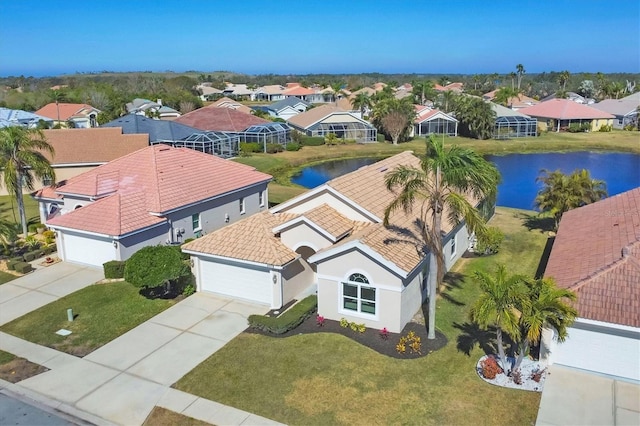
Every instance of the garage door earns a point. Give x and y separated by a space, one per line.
605 353
87 251
236 281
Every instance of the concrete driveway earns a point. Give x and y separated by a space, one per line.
43 286
575 397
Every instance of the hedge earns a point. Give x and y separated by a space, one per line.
380 137
287 321
29 256
250 147
114 269
23 267
312 141
272 148
34 227
11 263
292 146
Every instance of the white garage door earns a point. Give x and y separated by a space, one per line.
605 353
85 250
236 281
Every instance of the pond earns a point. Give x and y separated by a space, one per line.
620 171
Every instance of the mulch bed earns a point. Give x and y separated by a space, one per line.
19 369
371 338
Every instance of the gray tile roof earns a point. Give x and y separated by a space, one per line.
158 130
14 117
288 102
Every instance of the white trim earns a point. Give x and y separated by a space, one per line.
438 114
339 113
358 313
380 286
116 237
366 250
232 259
305 244
311 224
608 325
319 189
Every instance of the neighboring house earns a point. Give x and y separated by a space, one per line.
158 131
17 117
288 107
225 102
559 114
433 121
453 87
270 93
325 119
80 115
151 109
208 93
330 240
515 103
624 110
511 123
572 96
156 195
238 91
596 254
307 95
79 150
220 119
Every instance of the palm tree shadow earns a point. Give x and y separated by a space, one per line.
451 281
472 335
537 222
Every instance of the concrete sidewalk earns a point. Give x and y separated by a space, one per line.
122 381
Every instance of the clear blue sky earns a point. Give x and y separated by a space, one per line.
48 37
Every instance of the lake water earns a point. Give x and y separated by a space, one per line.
620 171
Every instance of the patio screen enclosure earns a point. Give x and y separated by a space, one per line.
515 127
357 131
438 126
267 133
221 144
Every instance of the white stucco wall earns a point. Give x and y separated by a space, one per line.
329 199
302 234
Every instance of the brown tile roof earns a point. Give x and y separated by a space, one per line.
159 179
596 253
564 109
212 118
225 102
298 91
66 110
330 220
250 239
312 116
91 146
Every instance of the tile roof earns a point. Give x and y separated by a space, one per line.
617 106
330 220
596 253
212 118
308 118
225 102
91 146
66 110
157 130
426 114
564 109
298 91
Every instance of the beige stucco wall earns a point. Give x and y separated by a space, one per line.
62 173
302 234
296 277
329 199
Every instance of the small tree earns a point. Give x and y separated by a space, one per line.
395 116
156 266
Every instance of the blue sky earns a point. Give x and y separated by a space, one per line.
307 36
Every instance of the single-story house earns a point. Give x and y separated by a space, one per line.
331 240
288 107
433 121
304 93
79 150
271 93
213 118
624 110
151 109
225 102
511 123
238 91
572 96
558 114
80 115
515 102
596 254
157 130
17 117
207 92
156 195
451 87
326 119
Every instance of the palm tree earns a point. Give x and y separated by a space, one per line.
563 78
362 101
22 160
496 306
512 76
337 90
504 95
544 304
395 116
562 193
422 90
443 182
477 118
521 71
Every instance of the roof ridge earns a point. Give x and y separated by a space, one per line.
156 173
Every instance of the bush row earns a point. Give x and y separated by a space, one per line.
30 256
287 321
311 141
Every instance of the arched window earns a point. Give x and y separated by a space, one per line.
358 295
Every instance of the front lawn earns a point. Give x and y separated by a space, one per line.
323 378
9 209
5 277
103 312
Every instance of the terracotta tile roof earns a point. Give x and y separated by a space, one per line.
425 114
225 102
250 239
91 146
271 89
312 116
564 109
330 220
66 110
212 118
596 253
298 91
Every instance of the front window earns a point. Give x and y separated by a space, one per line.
358 296
453 246
261 198
241 203
195 221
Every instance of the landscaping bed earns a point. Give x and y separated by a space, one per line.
14 369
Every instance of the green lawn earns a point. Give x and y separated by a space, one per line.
320 379
9 209
5 357
5 277
104 312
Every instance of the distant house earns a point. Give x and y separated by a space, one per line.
219 119
156 195
288 107
80 116
559 114
515 103
306 94
453 87
511 123
238 91
208 93
16 117
572 96
433 121
596 254
151 109
157 130
270 93
326 119
624 110
225 102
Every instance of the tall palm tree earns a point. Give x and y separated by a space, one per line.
422 90
22 160
561 193
543 304
395 116
337 90
521 72
504 95
496 306
477 118
512 76
362 101
443 182
563 78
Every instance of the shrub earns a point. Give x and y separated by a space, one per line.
380 137
188 290
34 227
288 320
250 147
114 269
516 376
11 263
291 146
536 374
188 240
29 256
53 248
36 253
349 141
183 255
49 234
155 266
606 128
411 340
629 127
320 320
344 323
23 267
490 368
312 141
489 241
297 137
31 242
273 148
384 333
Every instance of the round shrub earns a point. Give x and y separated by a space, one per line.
250 147
154 266
293 147
272 148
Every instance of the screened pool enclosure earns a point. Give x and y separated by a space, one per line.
221 144
264 134
356 130
515 126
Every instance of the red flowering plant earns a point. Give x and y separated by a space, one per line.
384 333
320 320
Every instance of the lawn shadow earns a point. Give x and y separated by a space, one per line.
472 335
544 259
451 280
537 222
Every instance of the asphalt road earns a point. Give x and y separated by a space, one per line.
14 411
